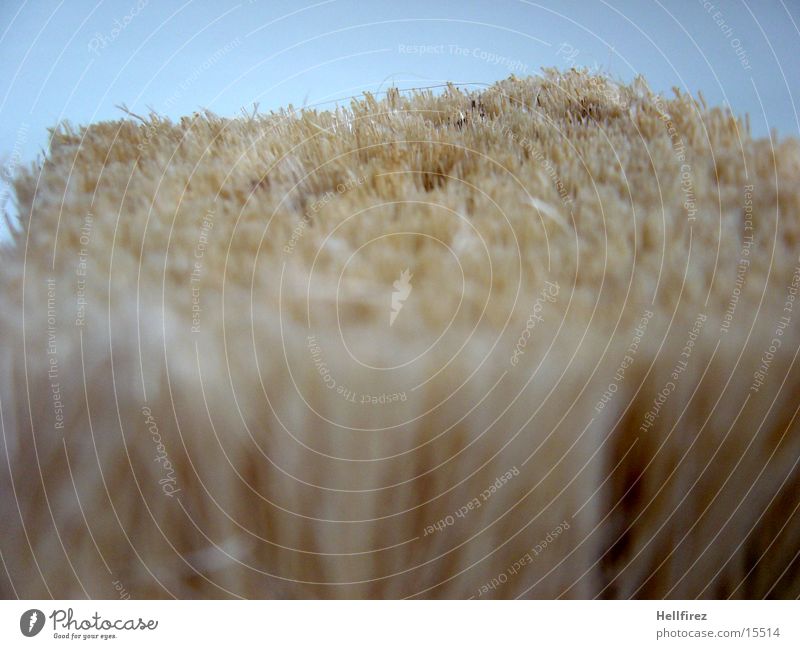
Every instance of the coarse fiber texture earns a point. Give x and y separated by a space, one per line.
533 340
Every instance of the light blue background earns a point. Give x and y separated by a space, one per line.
70 61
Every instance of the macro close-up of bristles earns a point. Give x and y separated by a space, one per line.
535 339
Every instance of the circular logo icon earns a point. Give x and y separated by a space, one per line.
31 622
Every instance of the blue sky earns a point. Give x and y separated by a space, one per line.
77 60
